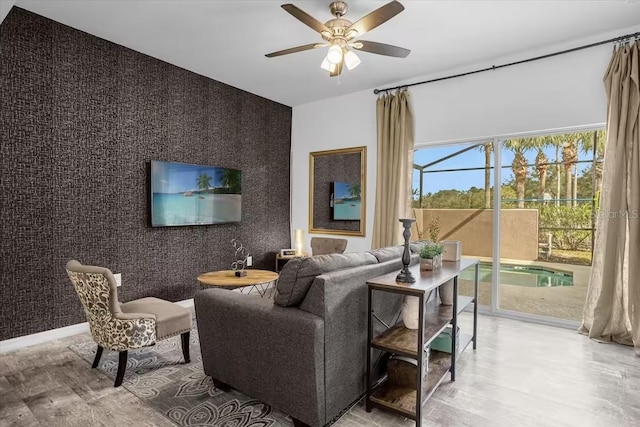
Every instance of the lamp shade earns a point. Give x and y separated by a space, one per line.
334 55
351 60
326 65
298 241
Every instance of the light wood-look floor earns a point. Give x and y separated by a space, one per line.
521 375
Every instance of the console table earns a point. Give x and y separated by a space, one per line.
397 339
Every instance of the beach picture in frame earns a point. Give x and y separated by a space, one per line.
187 194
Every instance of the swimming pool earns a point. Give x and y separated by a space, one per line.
522 275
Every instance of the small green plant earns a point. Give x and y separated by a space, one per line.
431 250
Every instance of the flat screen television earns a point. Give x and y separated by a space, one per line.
184 194
346 201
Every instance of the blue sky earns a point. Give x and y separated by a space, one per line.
463 180
340 189
167 177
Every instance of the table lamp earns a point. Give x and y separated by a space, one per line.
298 241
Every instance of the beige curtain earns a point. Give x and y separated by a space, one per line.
394 167
612 309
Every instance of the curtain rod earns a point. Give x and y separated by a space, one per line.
495 67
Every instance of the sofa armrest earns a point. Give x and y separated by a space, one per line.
273 354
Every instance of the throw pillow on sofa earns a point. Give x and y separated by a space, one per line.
294 281
298 274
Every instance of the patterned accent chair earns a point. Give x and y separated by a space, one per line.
327 245
122 327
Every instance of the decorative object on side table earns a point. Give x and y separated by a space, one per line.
446 293
241 255
431 256
411 311
405 275
452 250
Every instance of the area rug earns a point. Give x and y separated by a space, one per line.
182 392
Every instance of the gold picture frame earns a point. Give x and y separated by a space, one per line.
329 171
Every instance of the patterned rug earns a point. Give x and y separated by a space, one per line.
182 392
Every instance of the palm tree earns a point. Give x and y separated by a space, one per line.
555 141
487 148
519 165
203 181
355 190
231 179
599 137
569 158
542 164
572 142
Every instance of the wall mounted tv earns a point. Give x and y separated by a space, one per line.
184 194
346 201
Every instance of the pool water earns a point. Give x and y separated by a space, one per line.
522 275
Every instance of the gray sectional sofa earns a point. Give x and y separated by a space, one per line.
304 352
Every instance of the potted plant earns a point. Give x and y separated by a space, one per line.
429 256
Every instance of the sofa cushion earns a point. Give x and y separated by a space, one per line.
332 262
298 274
388 253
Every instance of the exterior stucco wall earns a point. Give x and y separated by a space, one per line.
474 228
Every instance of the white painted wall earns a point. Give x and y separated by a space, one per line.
5 7
558 92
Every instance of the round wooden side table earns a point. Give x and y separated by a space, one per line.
226 279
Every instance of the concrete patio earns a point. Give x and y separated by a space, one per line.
563 302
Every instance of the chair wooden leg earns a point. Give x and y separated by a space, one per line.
97 358
122 365
185 346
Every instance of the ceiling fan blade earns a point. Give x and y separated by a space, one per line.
305 18
380 48
294 49
377 17
338 69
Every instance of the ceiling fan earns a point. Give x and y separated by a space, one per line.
340 35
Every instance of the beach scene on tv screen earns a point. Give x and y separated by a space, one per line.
346 201
184 194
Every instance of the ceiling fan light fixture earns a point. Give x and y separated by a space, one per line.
339 35
334 55
351 60
328 66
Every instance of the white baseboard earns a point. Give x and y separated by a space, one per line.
42 337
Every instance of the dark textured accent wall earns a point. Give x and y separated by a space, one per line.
80 120
326 170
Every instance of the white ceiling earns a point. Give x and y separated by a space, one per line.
227 40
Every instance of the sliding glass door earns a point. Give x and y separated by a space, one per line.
530 221
550 187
